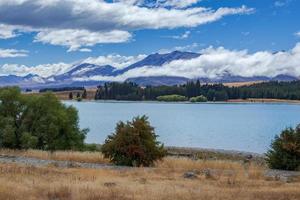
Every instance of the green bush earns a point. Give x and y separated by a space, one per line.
200 98
170 98
133 144
38 122
285 150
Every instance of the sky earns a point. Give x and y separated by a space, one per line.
46 37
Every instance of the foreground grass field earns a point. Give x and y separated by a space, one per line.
216 179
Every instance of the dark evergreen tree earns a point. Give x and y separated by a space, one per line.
84 94
71 95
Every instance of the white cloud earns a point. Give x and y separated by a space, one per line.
185 35
114 60
297 34
85 50
131 2
177 3
160 3
85 23
95 15
74 39
12 53
47 70
44 70
7 31
191 47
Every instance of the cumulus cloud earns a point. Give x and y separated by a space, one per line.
80 23
85 50
44 70
12 53
297 34
177 3
95 15
74 39
7 31
134 2
160 3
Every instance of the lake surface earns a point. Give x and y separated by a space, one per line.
237 126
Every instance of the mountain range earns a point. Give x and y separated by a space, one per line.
84 74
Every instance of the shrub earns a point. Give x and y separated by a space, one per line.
133 144
285 150
200 98
170 98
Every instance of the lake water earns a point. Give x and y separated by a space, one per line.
237 126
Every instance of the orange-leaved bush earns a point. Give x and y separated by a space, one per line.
134 143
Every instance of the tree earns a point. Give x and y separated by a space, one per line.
84 94
200 98
39 122
133 144
78 97
285 150
13 109
171 98
71 95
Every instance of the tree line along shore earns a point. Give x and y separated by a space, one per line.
191 91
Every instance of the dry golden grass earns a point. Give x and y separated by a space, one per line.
240 84
64 95
230 180
88 157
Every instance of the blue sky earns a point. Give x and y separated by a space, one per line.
259 25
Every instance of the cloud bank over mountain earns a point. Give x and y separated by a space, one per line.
217 62
211 63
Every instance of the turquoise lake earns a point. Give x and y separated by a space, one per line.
237 126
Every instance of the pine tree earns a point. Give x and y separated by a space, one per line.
71 95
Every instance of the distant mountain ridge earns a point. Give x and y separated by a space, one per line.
160 59
84 74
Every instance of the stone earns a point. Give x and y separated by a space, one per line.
190 175
282 175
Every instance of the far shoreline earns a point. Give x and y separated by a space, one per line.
230 101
